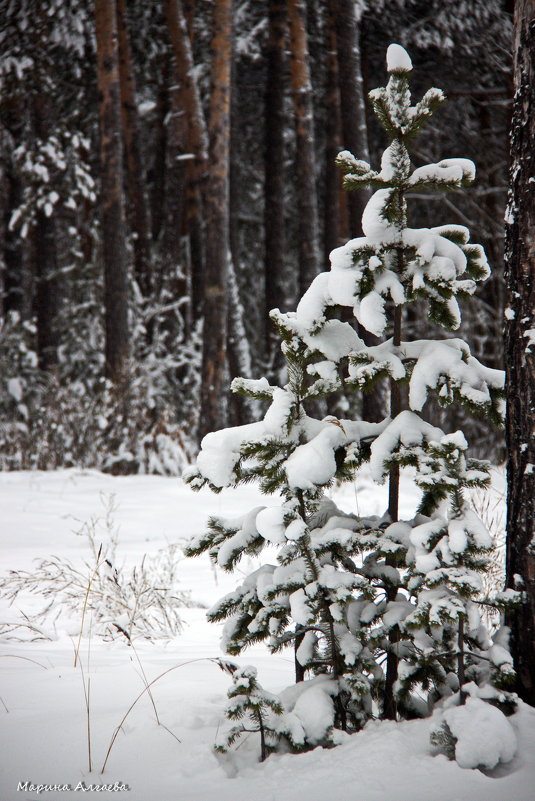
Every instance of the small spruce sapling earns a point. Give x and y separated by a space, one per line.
257 710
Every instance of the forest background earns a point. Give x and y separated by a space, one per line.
167 176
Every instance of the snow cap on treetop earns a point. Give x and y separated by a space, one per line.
397 59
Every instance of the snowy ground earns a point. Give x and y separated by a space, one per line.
43 736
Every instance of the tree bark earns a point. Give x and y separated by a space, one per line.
519 352
392 658
214 358
331 237
353 109
241 409
111 192
307 204
47 287
196 145
175 274
135 168
274 123
4 217
157 169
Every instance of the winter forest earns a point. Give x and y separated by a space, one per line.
267 297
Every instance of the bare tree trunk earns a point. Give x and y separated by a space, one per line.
111 192
353 109
47 286
332 173
6 148
47 291
197 144
274 122
157 168
520 352
214 359
175 275
241 409
309 258
135 168
239 352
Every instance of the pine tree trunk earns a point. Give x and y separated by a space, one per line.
239 350
197 144
47 291
241 409
47 286
214 358
520 352
274 123
111 192
175 278
353 109
11 193
157 167
135 168
309 258
4 217
332 134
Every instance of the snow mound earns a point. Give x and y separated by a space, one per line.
484 735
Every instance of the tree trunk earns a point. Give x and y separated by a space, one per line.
241 409
274 122
519 352
6 148
111 192
214 358
135 168
47 287
392 659
353 109
307 204
197 145
175 280
47 291
157 168
331 238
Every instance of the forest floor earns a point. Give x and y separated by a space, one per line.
43 711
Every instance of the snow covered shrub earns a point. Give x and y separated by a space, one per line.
98 593
386 611
476 735
74 417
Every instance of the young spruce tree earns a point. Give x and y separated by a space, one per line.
383 613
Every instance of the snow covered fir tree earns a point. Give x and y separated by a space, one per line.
383 614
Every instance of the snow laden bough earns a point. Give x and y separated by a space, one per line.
383 614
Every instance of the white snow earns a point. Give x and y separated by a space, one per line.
270 524
407 429
43 718
447 171
376 227
397 59
484 735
